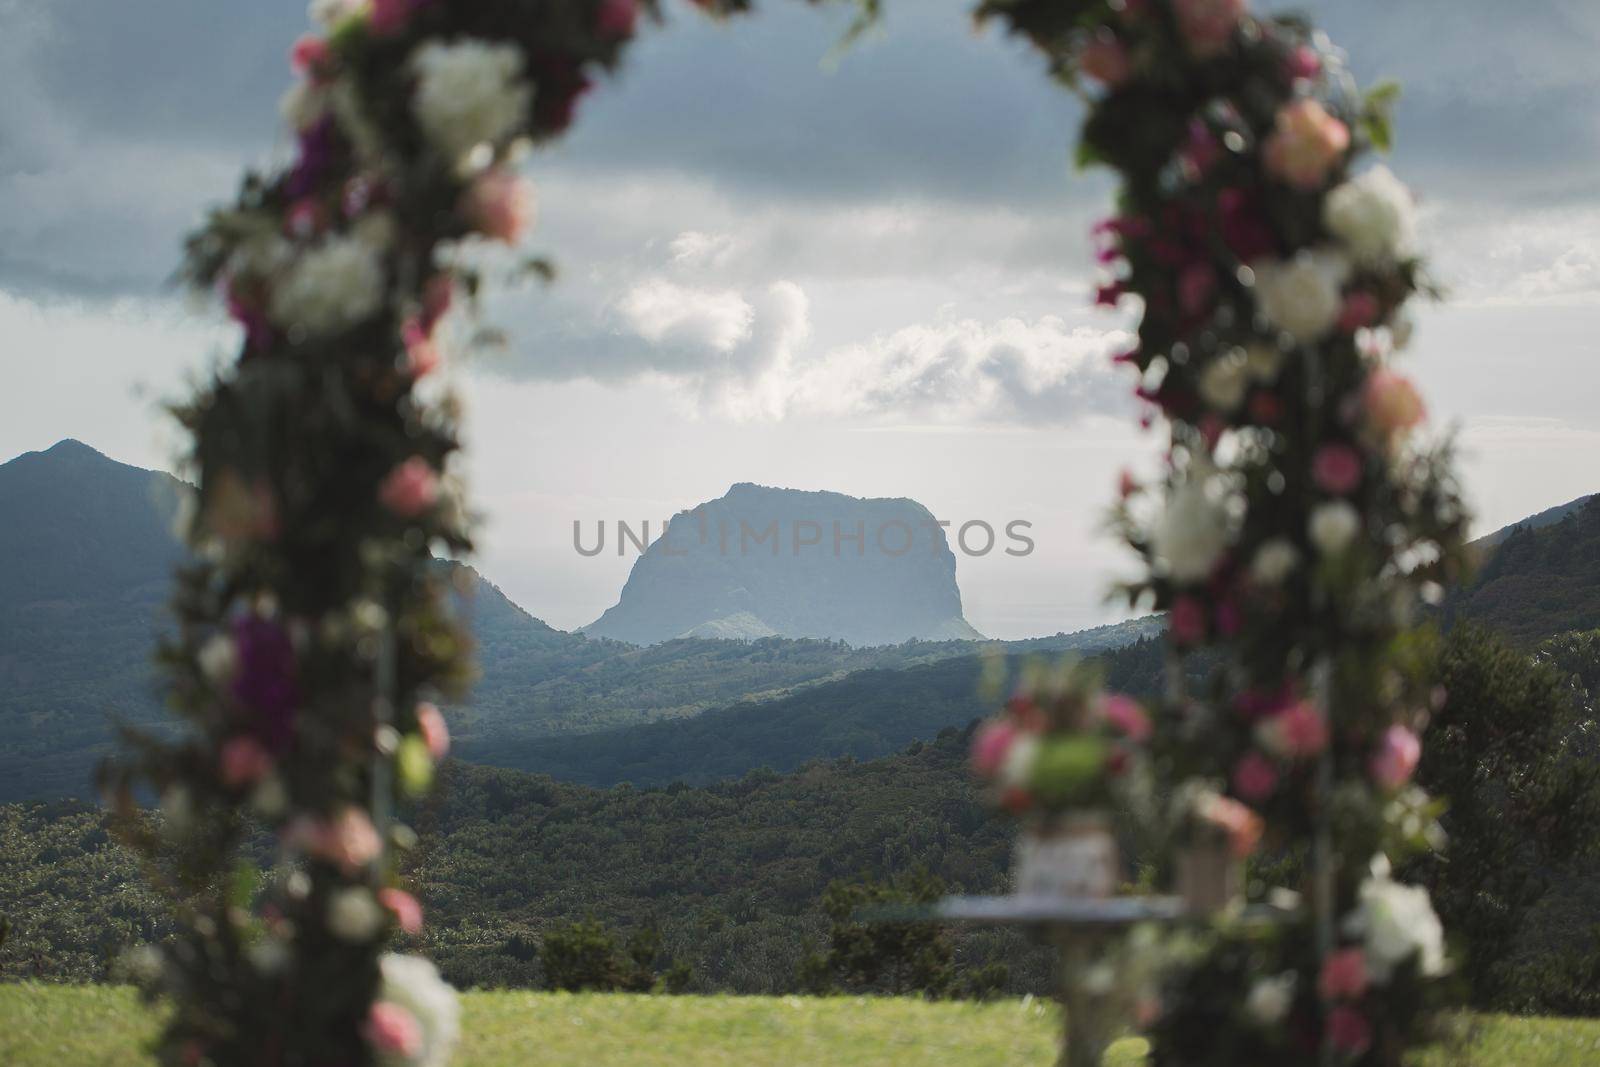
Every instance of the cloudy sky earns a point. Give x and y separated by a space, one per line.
864 273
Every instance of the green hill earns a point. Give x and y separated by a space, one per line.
1538 580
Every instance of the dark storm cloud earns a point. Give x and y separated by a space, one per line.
119 121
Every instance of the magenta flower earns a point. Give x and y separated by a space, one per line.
1187 621
1254 777
1360 309
265 679
1297 732
990 745
1336 469
1303 63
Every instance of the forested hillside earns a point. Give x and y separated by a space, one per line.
868 714
1539 581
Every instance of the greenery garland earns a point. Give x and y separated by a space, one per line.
316 629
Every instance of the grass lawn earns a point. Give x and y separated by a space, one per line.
94 1026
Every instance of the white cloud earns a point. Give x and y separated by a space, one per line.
664 313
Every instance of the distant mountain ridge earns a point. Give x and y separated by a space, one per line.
764 562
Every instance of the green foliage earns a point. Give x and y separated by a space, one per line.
1538 581
1513 752
586 956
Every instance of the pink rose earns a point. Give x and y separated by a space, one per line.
422 354
392 1030
1106 60
1200 149
410 489
435 734
1306 144
404 907
1126 484
305 218
1303 63
438 293
616 18
1392 402
243 761
1336 469
1344 975
499 205
1348 1030
1396 760
1208 25
1296 732
1126 715
1187 621
1254 777
310 56
1197 285
990 745
349 840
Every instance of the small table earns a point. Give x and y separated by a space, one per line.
1077 926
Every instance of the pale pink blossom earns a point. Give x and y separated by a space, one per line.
1254 777
1396 760
348 840
405 908
1208 25
990 746
392 1030
1304 63
1392 403
422 352
1305 145
243 761
237 511
435 734
1242 825
1187 621
500 205
1343 975
1126 715
410 489
1336 468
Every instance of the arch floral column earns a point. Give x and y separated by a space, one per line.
314 628
1299 525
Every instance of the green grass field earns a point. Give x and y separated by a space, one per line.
96 1026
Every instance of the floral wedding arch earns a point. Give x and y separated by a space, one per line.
1299 528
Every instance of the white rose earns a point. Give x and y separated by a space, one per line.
468 93
270 798
1193 533
1016 770
302 104
414 984
269 955
1270 998
354 915
1374 216
1274 561
1333 526
218 659
329 13
1302 296
1394 921
1224 381
330 288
